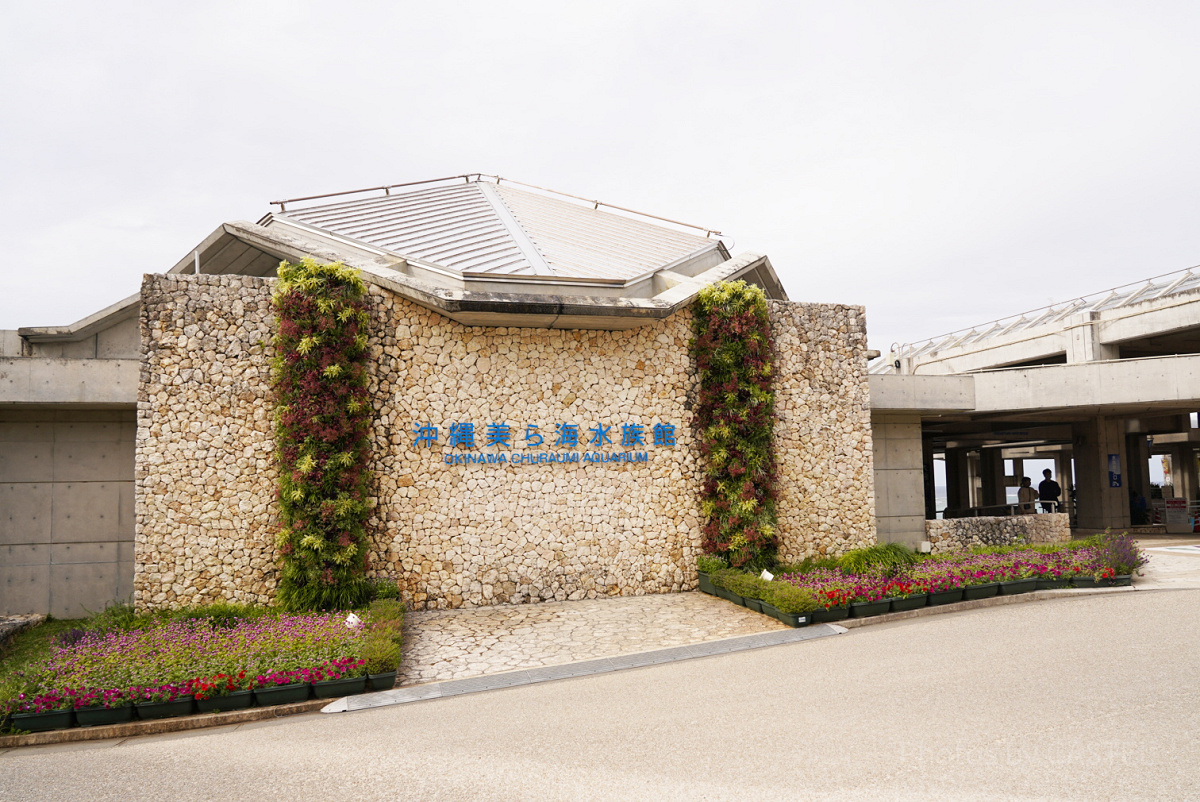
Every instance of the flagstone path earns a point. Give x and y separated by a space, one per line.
452 644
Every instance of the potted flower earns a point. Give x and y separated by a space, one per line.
868 598
221 692
50 710
95 707
1021 580
906 594
981 584
340 677
1052 577
280 688
163 701
944 589
833 604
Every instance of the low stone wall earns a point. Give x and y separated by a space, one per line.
961 534
462 532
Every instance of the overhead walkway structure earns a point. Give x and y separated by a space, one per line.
1098 384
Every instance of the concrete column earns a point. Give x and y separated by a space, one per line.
1100 506
1138 469
1083 342
1064 475
958 479
930 489
991 472
1183 470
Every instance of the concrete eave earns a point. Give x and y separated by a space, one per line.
922 394
86 327
95 382
1114 385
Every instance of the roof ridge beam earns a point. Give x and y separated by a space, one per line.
528 248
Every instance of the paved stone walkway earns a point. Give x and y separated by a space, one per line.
1169 570
453 644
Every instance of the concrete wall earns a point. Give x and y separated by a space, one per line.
899 478
469 534
66 509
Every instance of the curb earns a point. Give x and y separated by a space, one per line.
159 726
979 604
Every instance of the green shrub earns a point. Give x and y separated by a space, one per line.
884 557
749 586
709 564
381 588
386 613
381 652
723 577
788 598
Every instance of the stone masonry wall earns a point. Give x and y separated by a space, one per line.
204 477
962 534
826 500
476 534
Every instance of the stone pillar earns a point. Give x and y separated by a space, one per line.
1100 506
991 472
958 479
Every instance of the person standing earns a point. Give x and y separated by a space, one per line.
1026 496
1049 492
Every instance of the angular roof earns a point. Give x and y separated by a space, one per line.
485 229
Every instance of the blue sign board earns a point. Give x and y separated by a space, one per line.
494 443
1114 470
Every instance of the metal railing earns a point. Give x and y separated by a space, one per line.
1113 298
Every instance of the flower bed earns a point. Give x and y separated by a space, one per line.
179 666
1106 560
835 588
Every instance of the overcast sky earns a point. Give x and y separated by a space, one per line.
942 163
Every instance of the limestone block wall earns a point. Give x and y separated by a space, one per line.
463 533
204 477
823 446
961 534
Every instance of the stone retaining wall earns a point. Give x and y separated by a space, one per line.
962 534
476 534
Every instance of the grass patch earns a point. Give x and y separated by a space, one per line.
32 645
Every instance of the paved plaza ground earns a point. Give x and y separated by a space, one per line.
453 644
1084 697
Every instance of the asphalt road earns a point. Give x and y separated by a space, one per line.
1081 698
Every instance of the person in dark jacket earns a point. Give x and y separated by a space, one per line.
1048 493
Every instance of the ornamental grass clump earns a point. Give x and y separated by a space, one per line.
322 421
735 415
887 558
